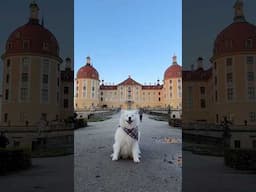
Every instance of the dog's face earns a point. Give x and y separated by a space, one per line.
129 118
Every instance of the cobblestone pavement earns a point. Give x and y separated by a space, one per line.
159 169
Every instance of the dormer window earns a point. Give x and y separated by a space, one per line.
248 43
45 45
10 45
25 44
17 35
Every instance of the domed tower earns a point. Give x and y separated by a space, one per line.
87 87
31 74
173 85
233 61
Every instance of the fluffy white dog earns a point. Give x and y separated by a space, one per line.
127 137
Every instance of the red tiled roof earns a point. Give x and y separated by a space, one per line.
233 38
197 75
31 38
108 87
151 87
174 71
87 71
129 81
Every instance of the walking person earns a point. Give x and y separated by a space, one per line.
141 114
4 141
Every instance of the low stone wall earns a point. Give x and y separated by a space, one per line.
240 159
14 160
201 139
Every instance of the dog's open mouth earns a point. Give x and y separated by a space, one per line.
129 121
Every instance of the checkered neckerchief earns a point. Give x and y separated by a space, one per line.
132 132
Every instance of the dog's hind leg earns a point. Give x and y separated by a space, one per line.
116 150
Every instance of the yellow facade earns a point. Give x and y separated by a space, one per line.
23 97
128 94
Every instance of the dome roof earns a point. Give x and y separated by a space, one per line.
87 71
174 71
237 37
32 38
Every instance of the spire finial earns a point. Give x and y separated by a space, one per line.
239 12
88 60
174 59
34 10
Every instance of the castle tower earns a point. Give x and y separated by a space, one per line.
31 74
173 85
87 87
234 70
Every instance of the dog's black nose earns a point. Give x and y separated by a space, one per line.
130 119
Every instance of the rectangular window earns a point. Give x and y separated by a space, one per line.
202 90
6 94
23 94
215 80
5 117
58 97
65 103
25 44
229 78
25 62
46 66
8 63
66 90
203 103
44 95
217 118
230 94
254 144
216 96
249 59
250 76
7 78
248 43
45 79
251 93
229 62
252 116
24 77
237 143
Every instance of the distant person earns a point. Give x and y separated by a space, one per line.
141 114
4 141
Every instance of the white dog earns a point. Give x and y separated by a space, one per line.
127 137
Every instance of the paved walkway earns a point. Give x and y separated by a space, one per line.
46 175
158 170
208 173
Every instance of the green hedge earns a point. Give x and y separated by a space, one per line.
14 159
240 159
79 123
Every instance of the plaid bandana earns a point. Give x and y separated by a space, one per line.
133 132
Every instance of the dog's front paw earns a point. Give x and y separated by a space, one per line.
136 160
114 158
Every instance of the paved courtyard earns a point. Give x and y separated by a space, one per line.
46 175
158 171
208 173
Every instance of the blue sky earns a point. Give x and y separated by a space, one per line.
128 37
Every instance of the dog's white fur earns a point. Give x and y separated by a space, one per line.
124 145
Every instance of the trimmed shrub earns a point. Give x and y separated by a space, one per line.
243 159
14 159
